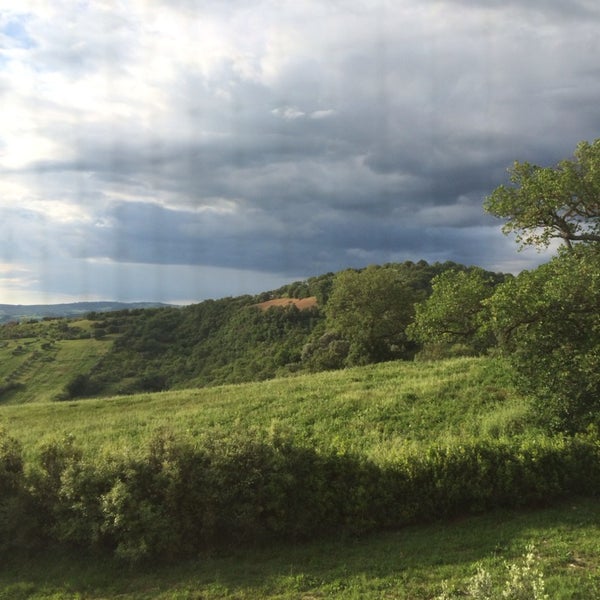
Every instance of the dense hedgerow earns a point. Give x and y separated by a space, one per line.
12 493
179 497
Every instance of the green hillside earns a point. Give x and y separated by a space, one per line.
159 453
372 417
39 359
369 410
353 317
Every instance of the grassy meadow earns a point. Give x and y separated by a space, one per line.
377 411
37 368
410 564
368 410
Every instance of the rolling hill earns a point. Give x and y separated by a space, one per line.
103 351
445 424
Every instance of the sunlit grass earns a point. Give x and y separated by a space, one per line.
368 410
43 368
377 411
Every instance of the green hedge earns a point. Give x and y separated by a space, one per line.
179 497
12 492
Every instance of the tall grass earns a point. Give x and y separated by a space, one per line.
441 416
368 410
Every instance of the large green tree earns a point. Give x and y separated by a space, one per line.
548 323
548 320
453 316
371 309
545 203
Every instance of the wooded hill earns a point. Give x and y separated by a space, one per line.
353 317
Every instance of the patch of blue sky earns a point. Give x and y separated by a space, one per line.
15 29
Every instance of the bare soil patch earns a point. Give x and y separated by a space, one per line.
300 303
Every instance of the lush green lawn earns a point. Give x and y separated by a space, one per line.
408 564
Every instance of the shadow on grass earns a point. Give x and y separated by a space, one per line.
410 563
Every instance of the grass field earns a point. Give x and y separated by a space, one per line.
374 411
370 410
40 367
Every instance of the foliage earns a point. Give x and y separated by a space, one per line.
371 310
407 564
324 351
11 490
523 581
548 320
549 325
163 476
227 340
319 286
454 312
78 386
214 342
545 203
176 497
54 329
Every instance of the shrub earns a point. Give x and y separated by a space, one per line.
152 505
11 491
176 496
78 386
523 581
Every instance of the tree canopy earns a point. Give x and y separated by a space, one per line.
453 313
547 320
546 203
371 310
548 323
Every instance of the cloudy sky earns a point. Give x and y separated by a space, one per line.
177 150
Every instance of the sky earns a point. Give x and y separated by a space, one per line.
178 150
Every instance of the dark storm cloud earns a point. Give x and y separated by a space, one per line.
296 138
148 234
575 9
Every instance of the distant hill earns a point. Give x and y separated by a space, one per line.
107 348
20 312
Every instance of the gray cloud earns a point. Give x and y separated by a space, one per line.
289 139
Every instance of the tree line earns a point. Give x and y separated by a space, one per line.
360 317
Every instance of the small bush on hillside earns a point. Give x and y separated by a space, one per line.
45 481
79 386
325 352
523 581
9 386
